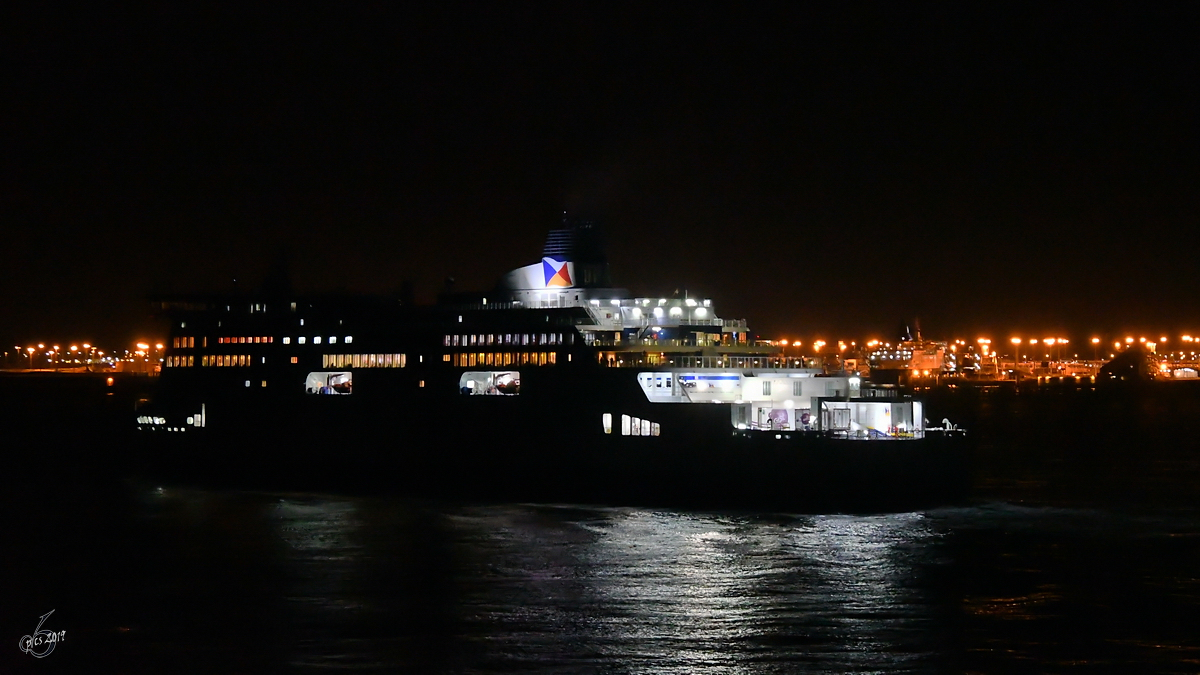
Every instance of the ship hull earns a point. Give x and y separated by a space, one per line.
523 461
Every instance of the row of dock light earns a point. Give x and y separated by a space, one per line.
984 344
54 356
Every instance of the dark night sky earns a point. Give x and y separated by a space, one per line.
831 171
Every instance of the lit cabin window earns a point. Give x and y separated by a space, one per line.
332 340
625 424
421 383
606 419
349 339
295 359
445 340
301 322
300 340
287 340
247 383
454 340
264 383
328 383
317 340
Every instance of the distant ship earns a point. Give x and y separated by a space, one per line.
555 386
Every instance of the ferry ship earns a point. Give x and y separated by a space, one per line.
555 386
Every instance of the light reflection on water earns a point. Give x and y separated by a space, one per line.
671 592
178 579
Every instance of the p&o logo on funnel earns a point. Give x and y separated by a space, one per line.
557 272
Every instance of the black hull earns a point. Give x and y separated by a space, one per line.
546 445
763 473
